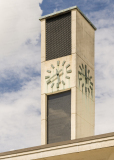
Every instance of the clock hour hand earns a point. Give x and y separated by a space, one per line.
58 79
53 76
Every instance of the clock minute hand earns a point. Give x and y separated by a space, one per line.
58 76
49 80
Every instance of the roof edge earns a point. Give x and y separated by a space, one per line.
95 137
66 10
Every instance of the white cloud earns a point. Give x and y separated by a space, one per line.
104 58
20 60
21 63
18 23
20 117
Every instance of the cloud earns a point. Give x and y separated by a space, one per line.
20 74
20 117
25 60
104 66
19 22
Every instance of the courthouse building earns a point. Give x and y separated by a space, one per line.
67 93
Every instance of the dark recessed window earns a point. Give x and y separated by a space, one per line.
58 36
59 117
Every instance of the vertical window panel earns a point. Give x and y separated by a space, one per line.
58 36
59 117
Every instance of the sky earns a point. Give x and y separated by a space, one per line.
20 70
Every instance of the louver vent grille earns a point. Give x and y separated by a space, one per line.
59 117
58 36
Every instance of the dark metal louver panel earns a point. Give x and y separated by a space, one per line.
59 117
58 36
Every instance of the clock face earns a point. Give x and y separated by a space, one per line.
58 76
85 80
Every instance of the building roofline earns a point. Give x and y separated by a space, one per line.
66 10
58 144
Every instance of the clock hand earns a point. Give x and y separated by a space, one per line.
84 75
53 76
58 76
57 72
58 79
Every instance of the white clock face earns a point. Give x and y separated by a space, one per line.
58 76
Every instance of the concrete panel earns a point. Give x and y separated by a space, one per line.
84 129
73 113
85 101
85 108
73 126
79 62
43 132
71 82
84 38
43 40
73 31
43 107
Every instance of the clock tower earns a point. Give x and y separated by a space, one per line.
67 76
